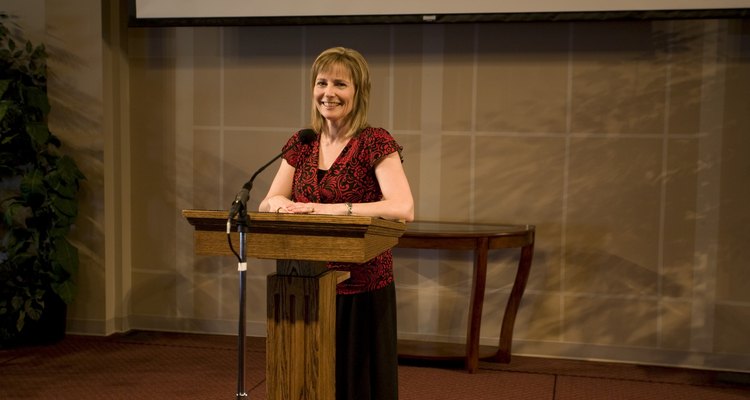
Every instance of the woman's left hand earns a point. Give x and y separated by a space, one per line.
300 208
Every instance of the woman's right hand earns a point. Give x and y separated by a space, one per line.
280 192
278 204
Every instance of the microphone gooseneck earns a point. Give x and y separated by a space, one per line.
240 201
305 137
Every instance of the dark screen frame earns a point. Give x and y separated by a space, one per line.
133 21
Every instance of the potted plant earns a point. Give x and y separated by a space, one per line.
38 203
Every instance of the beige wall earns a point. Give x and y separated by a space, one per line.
625 143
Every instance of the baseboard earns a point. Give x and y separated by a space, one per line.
611 353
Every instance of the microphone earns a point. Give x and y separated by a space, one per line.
240 201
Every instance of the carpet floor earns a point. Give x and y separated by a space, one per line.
158 365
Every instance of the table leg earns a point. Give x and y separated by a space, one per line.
479 283
514 301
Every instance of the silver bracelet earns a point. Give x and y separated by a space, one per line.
348 208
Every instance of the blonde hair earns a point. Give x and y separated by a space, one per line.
359 72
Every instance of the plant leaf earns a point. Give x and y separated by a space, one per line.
69 171
32 188
11 210
36 97
16 302
4 106
66 290
64 185
33 312
66 255
20 321
39 133
4 84
67 208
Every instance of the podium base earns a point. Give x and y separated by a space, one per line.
301 336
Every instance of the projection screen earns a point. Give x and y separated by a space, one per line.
196 12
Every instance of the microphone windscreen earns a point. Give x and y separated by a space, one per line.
307 136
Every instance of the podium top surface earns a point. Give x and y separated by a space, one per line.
318 237
315 224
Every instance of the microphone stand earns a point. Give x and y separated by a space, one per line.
239 209
242 227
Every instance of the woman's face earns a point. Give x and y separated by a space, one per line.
334 94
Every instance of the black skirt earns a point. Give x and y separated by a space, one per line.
366 346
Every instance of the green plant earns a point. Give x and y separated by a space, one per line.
38 193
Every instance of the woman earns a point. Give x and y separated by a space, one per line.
350 168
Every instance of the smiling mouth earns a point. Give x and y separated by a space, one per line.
330 104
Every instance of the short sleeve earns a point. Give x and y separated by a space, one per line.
292 151
381 144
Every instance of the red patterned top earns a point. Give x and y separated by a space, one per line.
351 178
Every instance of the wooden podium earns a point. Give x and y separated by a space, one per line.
301 295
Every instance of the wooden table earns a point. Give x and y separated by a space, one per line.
480 238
